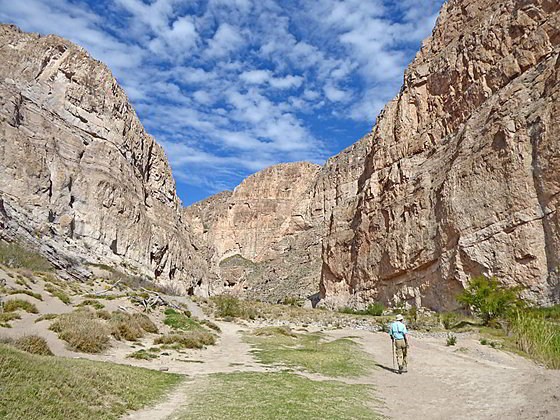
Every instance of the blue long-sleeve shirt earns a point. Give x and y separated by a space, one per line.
398 330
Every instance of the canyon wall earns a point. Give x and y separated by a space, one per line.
79 177
463 174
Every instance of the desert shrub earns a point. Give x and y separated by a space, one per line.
25 292
488 299
449 319
46 317
16 256
82 331
373 309
33 344
187 340
145 323
93 303
123 328
16 304
537 336
6 317
227 306
142 355
130 327
413 313
451 340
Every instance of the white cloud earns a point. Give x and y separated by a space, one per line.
226 40
255 77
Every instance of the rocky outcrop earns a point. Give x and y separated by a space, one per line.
462 176
79 177
264 242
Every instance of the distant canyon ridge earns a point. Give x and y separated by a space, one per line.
459 177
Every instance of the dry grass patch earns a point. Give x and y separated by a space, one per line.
187 340
56 292
14 255
82 331
25 292
6 317
33 344
130 327
93 303
17 304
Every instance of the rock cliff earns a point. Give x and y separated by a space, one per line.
79 177
462 176
263 241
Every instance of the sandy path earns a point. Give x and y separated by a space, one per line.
466 381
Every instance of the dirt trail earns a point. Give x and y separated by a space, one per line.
465 381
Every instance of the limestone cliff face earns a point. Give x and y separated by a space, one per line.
263 240
462 177
78 174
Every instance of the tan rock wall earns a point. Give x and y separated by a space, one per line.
78 175
462 178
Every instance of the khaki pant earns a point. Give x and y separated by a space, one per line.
400 345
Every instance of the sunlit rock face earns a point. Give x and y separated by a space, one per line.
463 173
79 176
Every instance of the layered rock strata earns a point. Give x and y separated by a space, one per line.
263 241
463 174
79 177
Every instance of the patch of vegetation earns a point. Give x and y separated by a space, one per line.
374 309
6 317
33 344
130 327
82 331
292 301
537 336
46 317
95 304
451 339
142 355
272 396
179 321
237 260
271 331
227 306
187 340
58 293
14 255
489 299
106 297
56 388
309 352
16 304
106 315
25 292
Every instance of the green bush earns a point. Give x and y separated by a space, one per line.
488 299
449 319
188 340
374 309
451 339
227 306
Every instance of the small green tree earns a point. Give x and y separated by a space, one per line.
489 299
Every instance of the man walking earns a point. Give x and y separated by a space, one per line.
398 333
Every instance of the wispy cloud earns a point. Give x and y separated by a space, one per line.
232 86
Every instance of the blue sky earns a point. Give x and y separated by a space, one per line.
229 87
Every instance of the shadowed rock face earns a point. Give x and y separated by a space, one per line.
462 178
78 174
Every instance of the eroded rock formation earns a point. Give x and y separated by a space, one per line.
78 174
463 174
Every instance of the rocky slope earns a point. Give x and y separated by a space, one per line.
79 177
462 177
263 242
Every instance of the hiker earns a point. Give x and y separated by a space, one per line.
398 333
